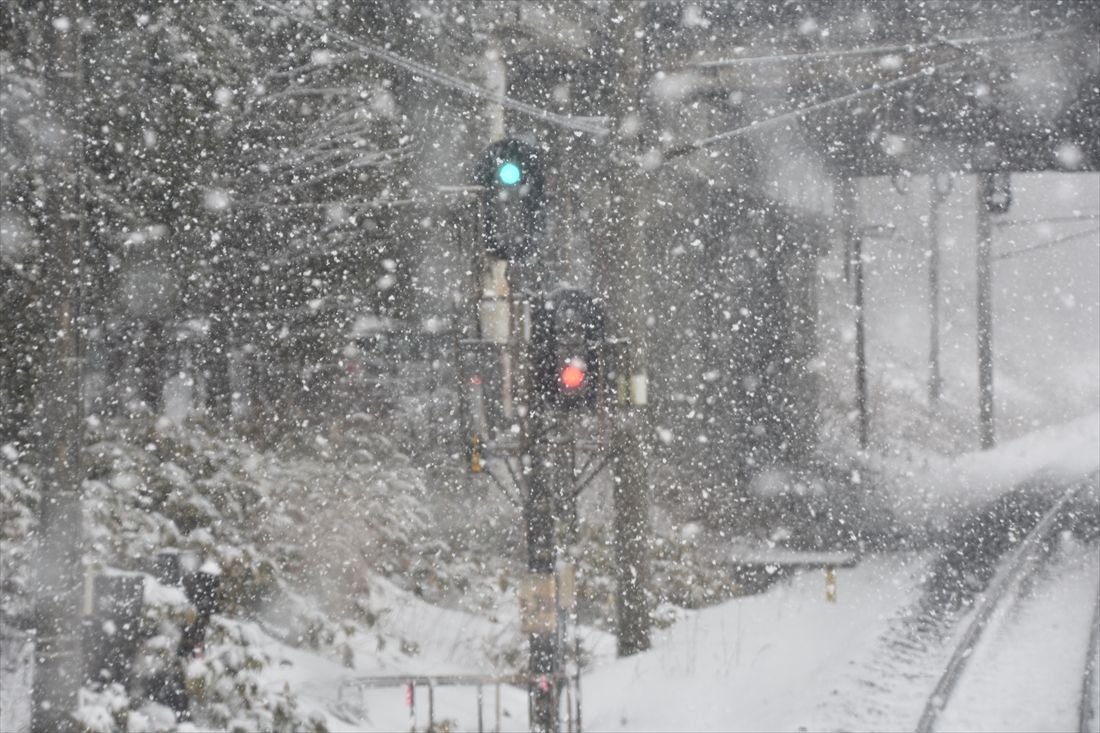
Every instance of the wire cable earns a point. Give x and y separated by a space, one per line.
955 43
800 112
427 72
1046 245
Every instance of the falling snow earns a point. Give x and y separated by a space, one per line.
722 364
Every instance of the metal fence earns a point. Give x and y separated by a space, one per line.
570 687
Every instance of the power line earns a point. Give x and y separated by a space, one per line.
423 70
376 203
962 45
1046 220
872 50
1046 245
795 114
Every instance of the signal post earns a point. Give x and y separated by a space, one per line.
510 175
550 368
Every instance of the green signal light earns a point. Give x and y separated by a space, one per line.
509 173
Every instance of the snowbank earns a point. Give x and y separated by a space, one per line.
938 489
775 661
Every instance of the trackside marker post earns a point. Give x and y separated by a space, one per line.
830 584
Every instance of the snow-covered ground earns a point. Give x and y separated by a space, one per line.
766 662
15 681
783 660
770 662
786 659
1028 666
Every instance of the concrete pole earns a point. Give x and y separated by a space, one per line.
496 81
58 672
625 290
985 310
545 645
540 494
861 342
935 381
937 194
440 154
845 205
844 210
513 285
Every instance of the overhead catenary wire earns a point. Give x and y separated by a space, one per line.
872 50
1046 245
376 203
795 114
1046 220
438 77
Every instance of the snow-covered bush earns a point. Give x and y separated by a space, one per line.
296 531
18 519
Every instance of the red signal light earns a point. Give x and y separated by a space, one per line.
572 376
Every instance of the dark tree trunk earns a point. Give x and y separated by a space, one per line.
218 390
152 365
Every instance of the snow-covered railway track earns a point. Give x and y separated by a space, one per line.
1014 570
1088 714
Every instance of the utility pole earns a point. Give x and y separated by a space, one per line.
538 510
624 252
938 191
862 402
540 500
844 210
987 203
861 342
510 174
58 672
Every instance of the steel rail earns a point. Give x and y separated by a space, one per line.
1015 570
1089 709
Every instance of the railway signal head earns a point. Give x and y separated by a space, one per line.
573 374
566 343
511 177
509 173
